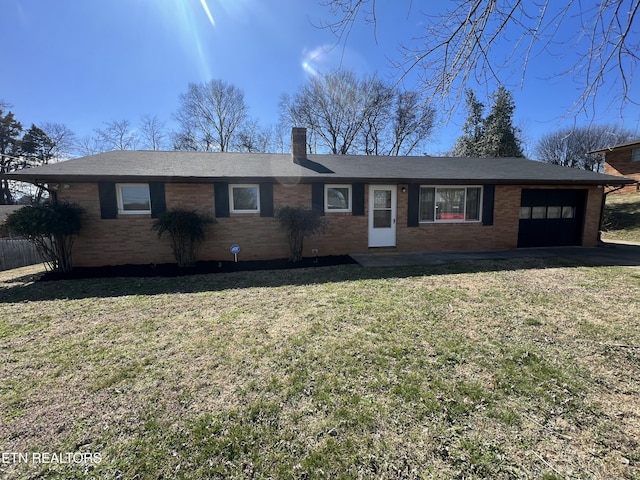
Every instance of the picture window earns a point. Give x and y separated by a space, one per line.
133 198
337 198
244 198
450 204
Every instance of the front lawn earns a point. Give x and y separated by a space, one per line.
505 369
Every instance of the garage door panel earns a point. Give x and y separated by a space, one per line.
551 217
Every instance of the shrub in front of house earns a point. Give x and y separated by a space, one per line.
299 223
51 227
187 230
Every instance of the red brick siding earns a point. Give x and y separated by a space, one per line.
291 195
196 196
463 236
592 217
129 239
619 163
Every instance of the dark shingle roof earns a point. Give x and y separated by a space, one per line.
172 166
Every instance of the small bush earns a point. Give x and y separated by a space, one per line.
299 223
51 227
187 229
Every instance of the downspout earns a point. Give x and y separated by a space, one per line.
604 201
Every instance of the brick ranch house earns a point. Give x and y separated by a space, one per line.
623 160
391 203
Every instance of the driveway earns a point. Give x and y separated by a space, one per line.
605 254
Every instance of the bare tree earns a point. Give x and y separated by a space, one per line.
117 135
570 147
281 137
377 116
331 107
413 122
88 145
63 140
253 138
349 115
467 42
209 116
153 135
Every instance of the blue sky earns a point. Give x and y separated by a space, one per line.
86 62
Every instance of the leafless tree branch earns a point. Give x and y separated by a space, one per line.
471 40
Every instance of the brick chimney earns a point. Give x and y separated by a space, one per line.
299 143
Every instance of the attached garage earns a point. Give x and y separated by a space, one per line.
552 218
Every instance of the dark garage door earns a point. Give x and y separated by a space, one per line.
551 218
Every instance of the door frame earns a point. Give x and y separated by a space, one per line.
383 237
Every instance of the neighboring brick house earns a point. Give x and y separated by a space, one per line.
623 160
391 203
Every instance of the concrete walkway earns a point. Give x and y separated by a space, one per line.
605 254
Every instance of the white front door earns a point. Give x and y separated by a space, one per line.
382 215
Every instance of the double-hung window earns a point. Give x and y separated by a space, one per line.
450 204
244 198
133 198
337 198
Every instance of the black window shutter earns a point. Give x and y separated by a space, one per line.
317 197
413 207
487 204
158 202
266 199
357 193
221 195
108 200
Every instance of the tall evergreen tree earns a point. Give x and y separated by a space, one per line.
501 137
37 148
10 130
470 143
493 135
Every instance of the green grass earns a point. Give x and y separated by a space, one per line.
505 369
622 218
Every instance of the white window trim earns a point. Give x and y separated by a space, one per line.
326 198
435 220
232 208
121 210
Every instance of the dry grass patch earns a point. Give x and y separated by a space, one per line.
508 369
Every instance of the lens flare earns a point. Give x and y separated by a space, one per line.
328 58
317 60
208 12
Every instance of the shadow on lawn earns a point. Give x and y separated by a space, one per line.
33 289
622 216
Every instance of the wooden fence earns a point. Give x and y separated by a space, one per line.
17 252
